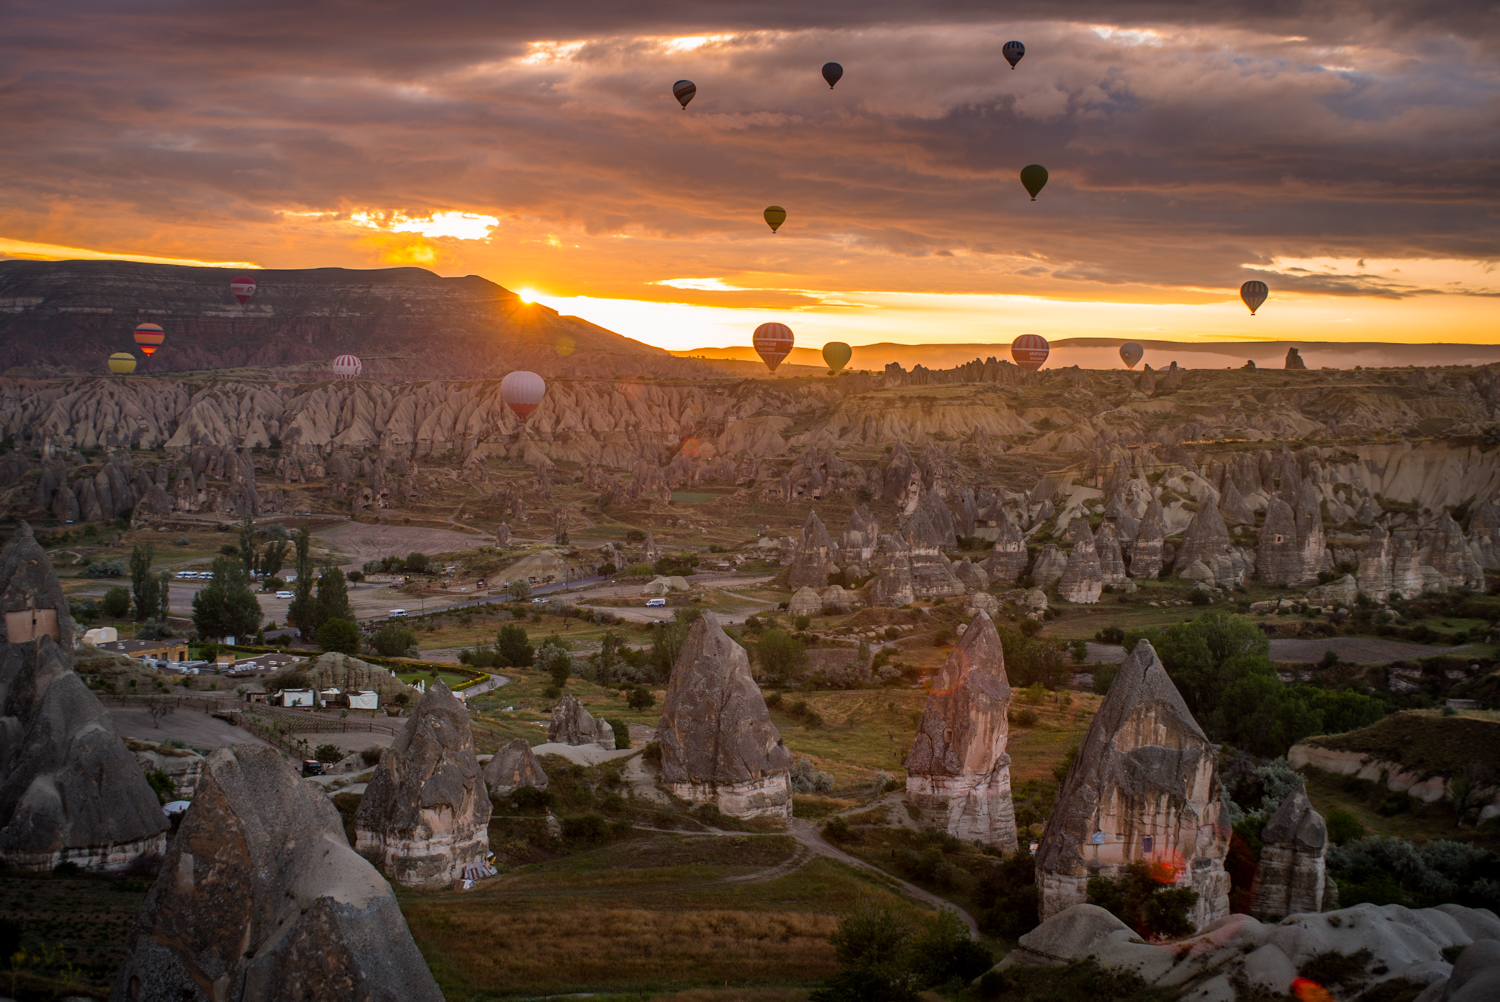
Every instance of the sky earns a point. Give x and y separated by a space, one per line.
1345 152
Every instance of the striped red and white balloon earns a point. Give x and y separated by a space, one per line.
347 367
773 342
522 392
1030 351
149 337
242 287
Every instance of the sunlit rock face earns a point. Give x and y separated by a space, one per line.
931 574
892 584
70 791
958 772
1007 561
260 897
1291 874
426 813
1143 787
718 745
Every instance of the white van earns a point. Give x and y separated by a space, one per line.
652 603
284 594
396 614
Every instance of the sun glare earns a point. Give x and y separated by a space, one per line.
527 295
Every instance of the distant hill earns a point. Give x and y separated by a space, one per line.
66 317
1103 353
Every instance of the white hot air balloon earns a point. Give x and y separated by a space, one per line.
522 392
347 367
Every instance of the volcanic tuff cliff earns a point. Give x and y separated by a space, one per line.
65 317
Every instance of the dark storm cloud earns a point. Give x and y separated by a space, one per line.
1185 140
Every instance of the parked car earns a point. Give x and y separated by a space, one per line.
185 575
540 600
283 594
396 614
655 602
312 767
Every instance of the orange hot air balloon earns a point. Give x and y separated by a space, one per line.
522 392
242 287
149 337
773 342
1030 351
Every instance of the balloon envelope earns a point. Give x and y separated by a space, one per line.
1013 51
122 363
1131 353
837 354
522 392
149 337
683 91
773 342
242 288
1033 179
1030 351
775 216
347 367
832 72
1254 293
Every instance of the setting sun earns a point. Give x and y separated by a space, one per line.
527 295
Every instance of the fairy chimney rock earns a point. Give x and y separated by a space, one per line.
32 597
573 724
1082 578
814 560
1111 558
1278 559
1206 537
261 897
1150 541
1007 561
958 773
718 744
1233 506
1291 873
515 765
1049 567
425 815
1144 787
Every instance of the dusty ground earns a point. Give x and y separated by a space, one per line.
357 542
193 728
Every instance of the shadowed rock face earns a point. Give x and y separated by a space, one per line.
260 897
425 814
814 560
718 745
1007 560
1233 506
1111 559
573 724
1375 564
1206 537
892 585
515 765
1049 567
1291 873
1150 541
1145 771
1451 556
1278 559
958 773
32 597
1082 578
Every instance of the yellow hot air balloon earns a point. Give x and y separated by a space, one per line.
122 363
836 354
775 216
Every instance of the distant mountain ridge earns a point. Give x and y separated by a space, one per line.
65 317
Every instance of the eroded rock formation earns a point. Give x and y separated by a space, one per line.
425 814
958 772
1291 873
1143 787
718 744
815 556
1150 542
573 724
1082 579
515 765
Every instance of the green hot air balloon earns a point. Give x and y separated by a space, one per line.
775 216
836 355
1033 179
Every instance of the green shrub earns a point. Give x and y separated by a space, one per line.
328 754
641 698
529 798
622 733
162 785
339 635
1145 900
393 640
116 602
1343 826
589 828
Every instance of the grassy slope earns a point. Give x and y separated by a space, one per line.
1425 741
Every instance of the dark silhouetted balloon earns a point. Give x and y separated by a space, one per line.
1033 179
832 72
347 367
149 337
1131 353
775 216
1013 51
683 91
522 392
836 355
242 287
1254 293
122 363
773 342
1030 351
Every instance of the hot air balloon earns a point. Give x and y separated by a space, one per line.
1033 179
775 216
832 72
522 392
836 355
122 363
347 367
242 288
1030 351
773 342
683 91
1254 293
149 337
1131 353
1013 51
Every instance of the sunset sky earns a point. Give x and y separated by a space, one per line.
1346 153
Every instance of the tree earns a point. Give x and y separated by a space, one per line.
1143 898
393 641
781 655
872 943
333 596
607 658
512 649
164 595
416 562
554 659
143 584
339 635
159 709
518 590
1210 653
227 606
302 612
641 698
328 754
247 545
116 602
273 557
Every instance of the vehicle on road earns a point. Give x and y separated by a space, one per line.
396 614
312 767
655 602
283 594
185 575
538 601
